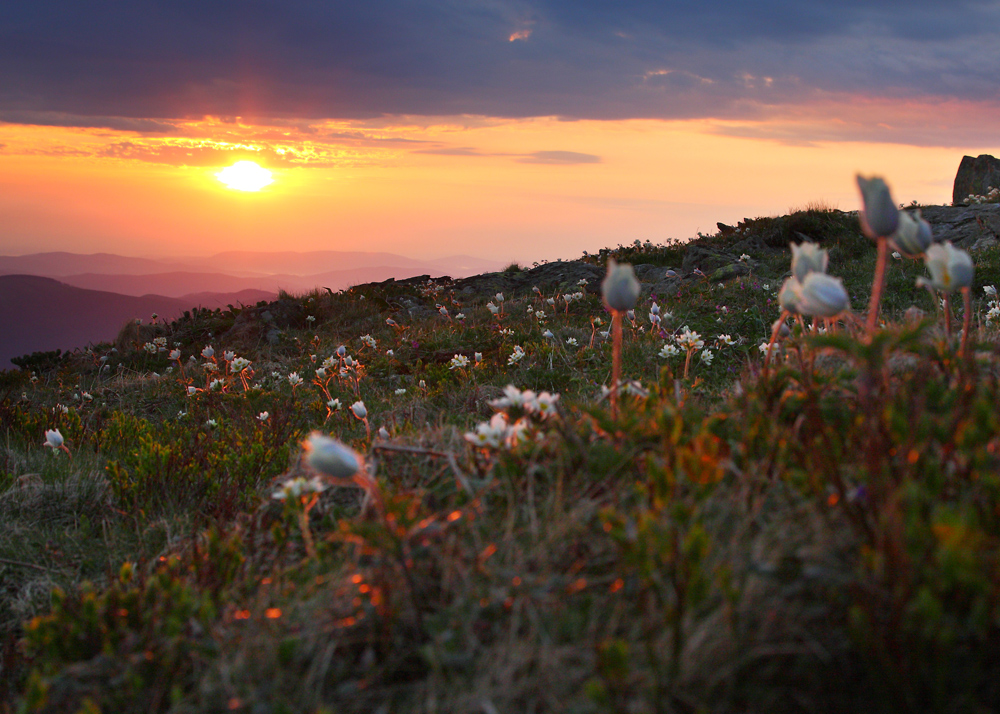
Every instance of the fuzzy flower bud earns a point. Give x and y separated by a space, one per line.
808 258
913 236
330 457
620 287
880 217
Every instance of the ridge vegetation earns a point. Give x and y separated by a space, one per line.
822 536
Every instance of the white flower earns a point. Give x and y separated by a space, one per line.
211 423
390 322
239 364
228 355
192 391
370 341
53 439
544 405
516 356
208 352
492 308
654 309
726 340
443 310
310 318
499 297
150 348
458 362
175 354
582 282
571 341
216 385
211 367
548 335
489 434
400 392
263 416
990 290
422 384
460 316
334 404
539 315
294 379
690 340
341 351
896 255
513 397
383 432
359 409
550 301
478 357
669 350
707 356
744 258
298 487
951 268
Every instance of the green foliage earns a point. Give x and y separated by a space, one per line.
821 536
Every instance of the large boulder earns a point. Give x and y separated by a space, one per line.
975 176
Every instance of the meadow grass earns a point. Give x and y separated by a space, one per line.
822 538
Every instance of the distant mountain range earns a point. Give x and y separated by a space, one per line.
63 301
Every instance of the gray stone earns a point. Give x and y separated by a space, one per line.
647 272
963 225
730 272
705 259
975 176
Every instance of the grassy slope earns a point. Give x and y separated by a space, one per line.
822 539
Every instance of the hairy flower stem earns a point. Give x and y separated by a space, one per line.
616 360
947 316
966 319
879 278
774 336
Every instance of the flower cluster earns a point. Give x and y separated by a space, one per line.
516 415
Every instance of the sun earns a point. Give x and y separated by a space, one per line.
245 176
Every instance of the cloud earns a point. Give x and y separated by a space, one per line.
43 118
559 157
140 66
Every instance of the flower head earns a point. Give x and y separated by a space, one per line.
913 235
620 287
951 268
880 217
53 439
808 258
822 295
298 487
359 409
458 362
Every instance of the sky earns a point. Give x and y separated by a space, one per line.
510 129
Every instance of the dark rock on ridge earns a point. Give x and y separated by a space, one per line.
969 227
975 176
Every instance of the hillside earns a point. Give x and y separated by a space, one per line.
41 314
487 533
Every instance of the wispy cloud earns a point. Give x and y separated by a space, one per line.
559 157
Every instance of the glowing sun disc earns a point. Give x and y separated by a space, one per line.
245 176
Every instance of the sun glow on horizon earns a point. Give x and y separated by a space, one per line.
245 176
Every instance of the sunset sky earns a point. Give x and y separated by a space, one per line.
509 129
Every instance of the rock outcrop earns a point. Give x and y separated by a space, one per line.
975 176
969 227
